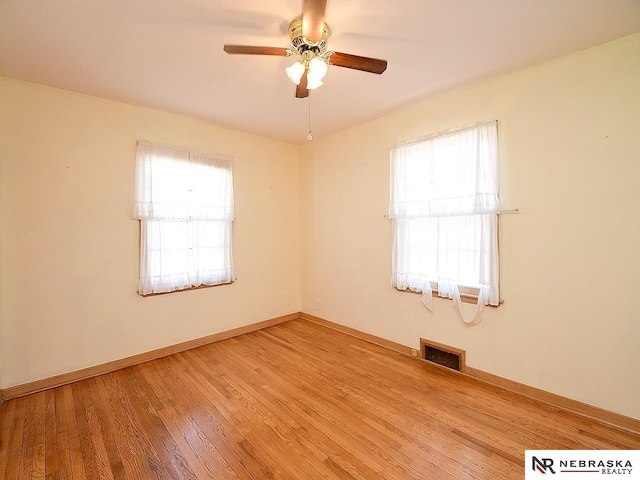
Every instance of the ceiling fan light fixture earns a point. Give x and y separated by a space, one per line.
313 82
318 68
309 41
295 71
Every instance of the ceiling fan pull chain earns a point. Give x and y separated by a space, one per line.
309 137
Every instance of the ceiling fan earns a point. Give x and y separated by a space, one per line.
309 35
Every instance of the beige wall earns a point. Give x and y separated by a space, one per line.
569 139
310 228
69 248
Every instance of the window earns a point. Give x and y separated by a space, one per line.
184 201
444 206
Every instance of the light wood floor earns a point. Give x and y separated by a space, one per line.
294 401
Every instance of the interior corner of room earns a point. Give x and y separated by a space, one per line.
310 237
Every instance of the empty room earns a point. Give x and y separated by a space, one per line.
319 239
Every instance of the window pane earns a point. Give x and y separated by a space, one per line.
184 200
444 205
212 253
164 262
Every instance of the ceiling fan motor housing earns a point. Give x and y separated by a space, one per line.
300 44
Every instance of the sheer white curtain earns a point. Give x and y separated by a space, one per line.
444 205
184 200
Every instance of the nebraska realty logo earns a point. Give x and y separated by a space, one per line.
582 464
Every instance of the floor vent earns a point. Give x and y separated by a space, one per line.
445 355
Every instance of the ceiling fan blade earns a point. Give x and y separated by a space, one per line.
251 50
356 62
313 19
301 89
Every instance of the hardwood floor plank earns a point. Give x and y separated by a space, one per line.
69 420
138 458
12 434
108 447
95 461
219 428
121 461
39 427
208 431
58 455
189 445
142 448
237 416
292 401
229 423
4 432
205 461
29 439
140 394
50 434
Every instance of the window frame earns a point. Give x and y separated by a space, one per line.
178 186
407 278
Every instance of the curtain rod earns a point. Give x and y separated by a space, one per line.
501 212
443 133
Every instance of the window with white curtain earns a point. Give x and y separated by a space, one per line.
184 201
444 206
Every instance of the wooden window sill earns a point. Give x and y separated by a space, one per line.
464 297
187 289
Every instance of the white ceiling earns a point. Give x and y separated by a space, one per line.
167 54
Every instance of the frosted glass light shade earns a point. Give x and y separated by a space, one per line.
318 68
313 82
294 72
